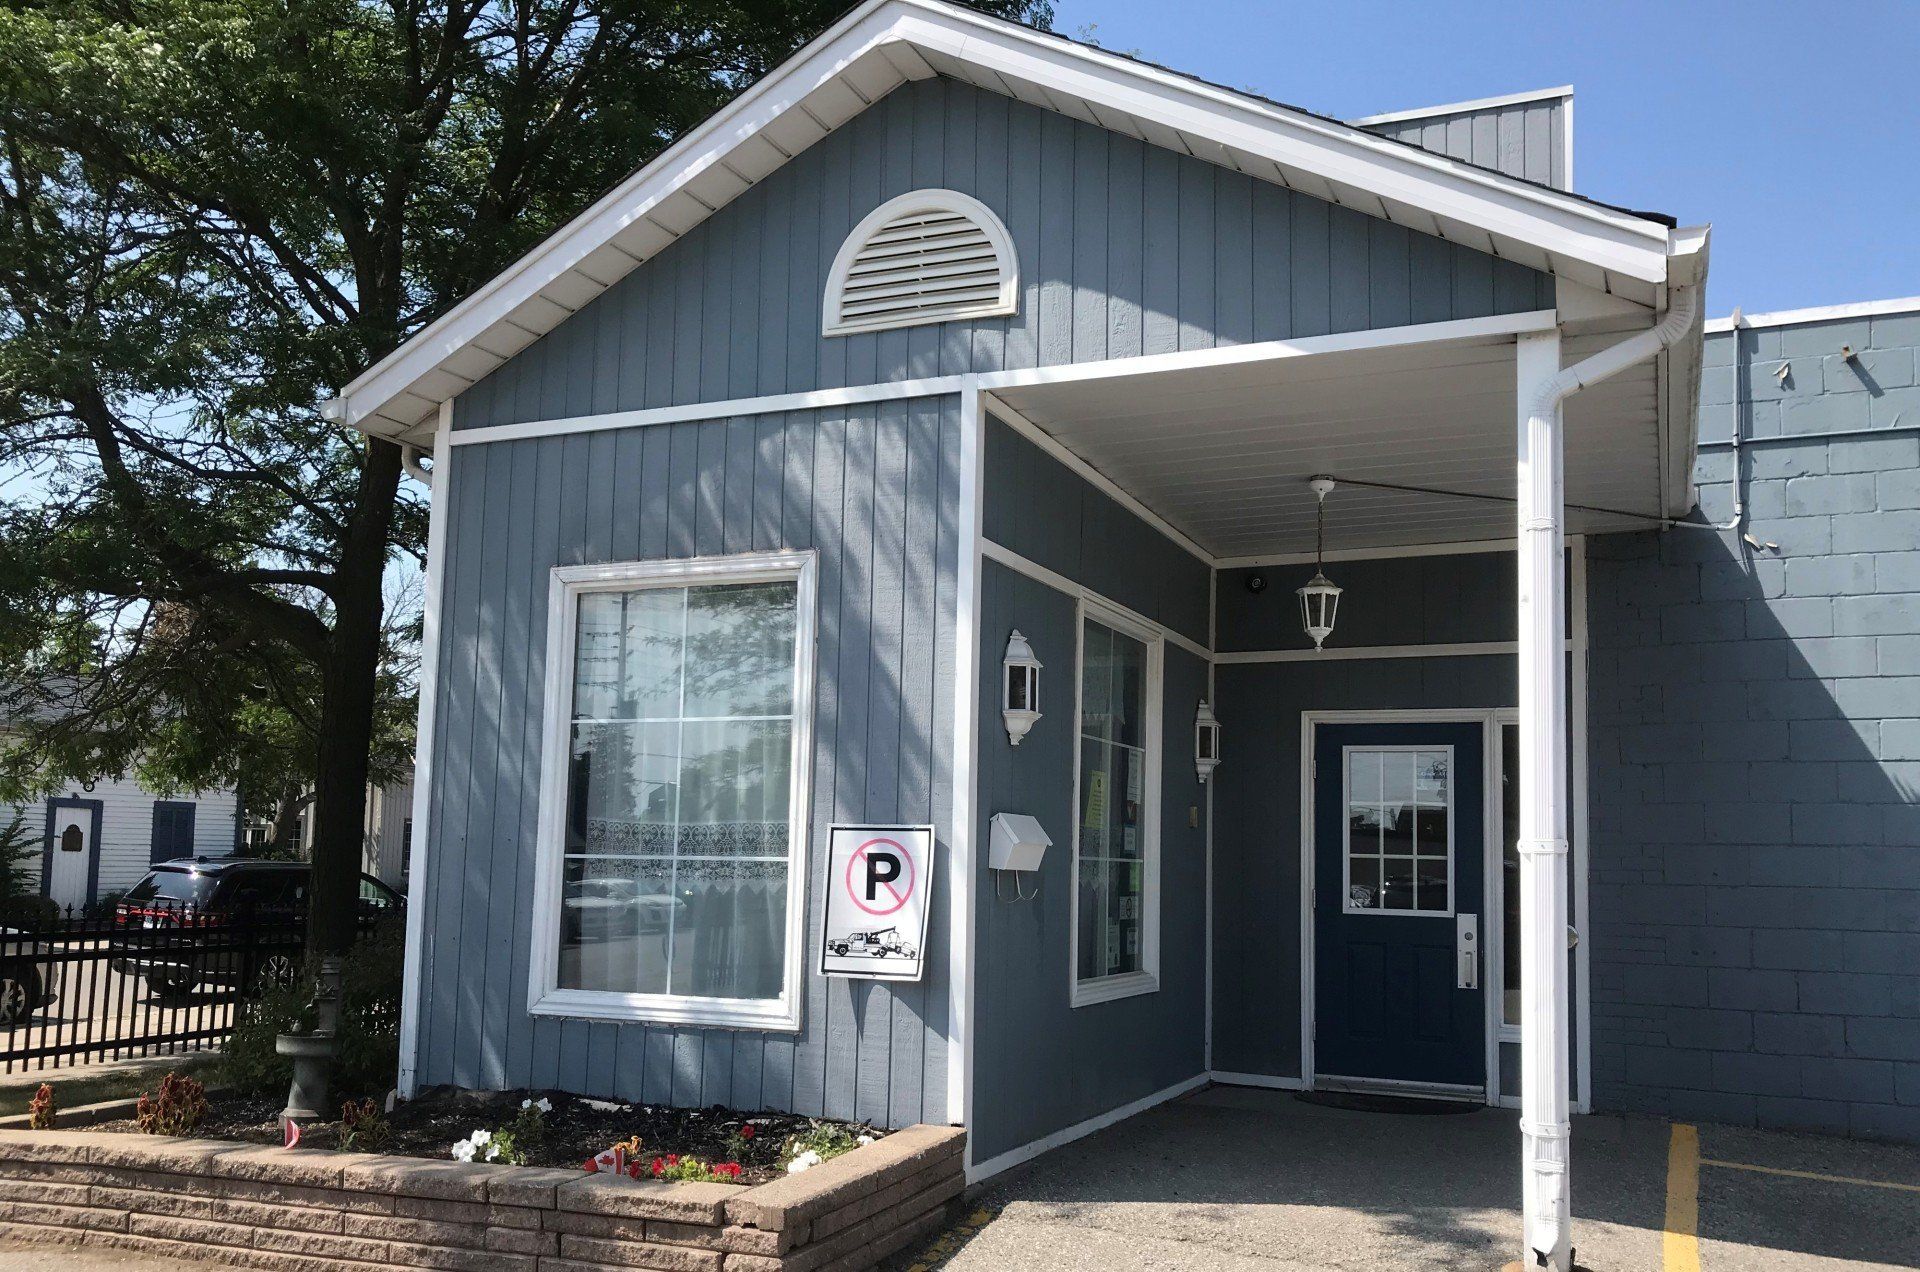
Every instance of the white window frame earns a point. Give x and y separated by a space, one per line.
929 200
1102 989
1493 943
568 583
1346 847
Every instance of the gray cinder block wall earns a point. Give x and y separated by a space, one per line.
1755 739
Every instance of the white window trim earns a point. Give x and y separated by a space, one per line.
567 584
1493 949
1104 989
930 200
1346 853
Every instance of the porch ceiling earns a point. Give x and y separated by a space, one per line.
1223 454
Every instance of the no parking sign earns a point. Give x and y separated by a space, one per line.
878 880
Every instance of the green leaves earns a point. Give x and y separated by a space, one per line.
213 214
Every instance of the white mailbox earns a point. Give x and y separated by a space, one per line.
1017 843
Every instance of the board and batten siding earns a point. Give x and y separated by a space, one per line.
873 490
1040 1064
1522 139
1125 249
1041 509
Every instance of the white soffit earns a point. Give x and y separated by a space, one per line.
884 43
1224 454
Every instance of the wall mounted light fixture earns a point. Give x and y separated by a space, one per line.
1020 690
1206 741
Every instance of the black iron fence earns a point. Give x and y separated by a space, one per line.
147 979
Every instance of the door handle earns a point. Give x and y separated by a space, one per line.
1466 951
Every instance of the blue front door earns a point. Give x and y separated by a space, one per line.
1399 841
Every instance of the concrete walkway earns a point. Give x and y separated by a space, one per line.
1235 1180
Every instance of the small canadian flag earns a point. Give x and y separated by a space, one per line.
293 1132
613 1161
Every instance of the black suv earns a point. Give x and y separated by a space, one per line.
224 921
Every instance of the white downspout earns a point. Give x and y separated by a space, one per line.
1545 1071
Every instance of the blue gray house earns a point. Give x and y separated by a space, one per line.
1336 612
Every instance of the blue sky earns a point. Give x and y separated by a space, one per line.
1794 129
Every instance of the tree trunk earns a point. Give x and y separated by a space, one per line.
348 687
285 832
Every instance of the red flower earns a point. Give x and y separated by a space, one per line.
659 1167
633 1170
729 1169
746 1132
673 1159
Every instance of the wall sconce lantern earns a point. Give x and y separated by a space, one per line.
1020 696
1319 599
1206 741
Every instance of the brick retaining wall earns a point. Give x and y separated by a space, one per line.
319 1211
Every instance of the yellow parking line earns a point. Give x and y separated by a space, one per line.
1808 1174
1681 1245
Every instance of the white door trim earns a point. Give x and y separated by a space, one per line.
1309 720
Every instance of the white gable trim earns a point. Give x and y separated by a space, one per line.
882 44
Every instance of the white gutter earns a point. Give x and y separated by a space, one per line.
1545 1069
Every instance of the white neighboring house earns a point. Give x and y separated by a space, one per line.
385 843
99 838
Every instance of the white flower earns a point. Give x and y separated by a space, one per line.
463 1151
525 1105
864 1140
481 1138
493 1152
543 1104
803 1161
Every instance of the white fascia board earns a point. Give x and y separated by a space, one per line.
1820 313
1559 225
680 165
1565 91
1547 220
1679 389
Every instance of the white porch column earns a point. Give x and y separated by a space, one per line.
1544 1068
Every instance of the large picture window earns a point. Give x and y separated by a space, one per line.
1116 811
673 827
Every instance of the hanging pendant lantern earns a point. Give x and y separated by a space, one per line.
1319 599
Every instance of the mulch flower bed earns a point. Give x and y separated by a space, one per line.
571 1131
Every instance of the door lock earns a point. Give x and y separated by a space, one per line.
1466 951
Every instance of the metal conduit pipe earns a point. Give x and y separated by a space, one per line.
1545 1070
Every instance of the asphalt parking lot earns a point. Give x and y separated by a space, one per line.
1233 1179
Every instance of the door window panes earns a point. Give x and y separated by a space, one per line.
1399 830
1112 874
676 864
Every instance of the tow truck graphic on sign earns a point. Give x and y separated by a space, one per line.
878 879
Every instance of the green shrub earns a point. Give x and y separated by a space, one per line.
370 983
102 906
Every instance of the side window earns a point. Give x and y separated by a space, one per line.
375 895
1116 831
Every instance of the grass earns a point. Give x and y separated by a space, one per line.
112 1084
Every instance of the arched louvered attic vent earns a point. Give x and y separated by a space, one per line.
928 256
